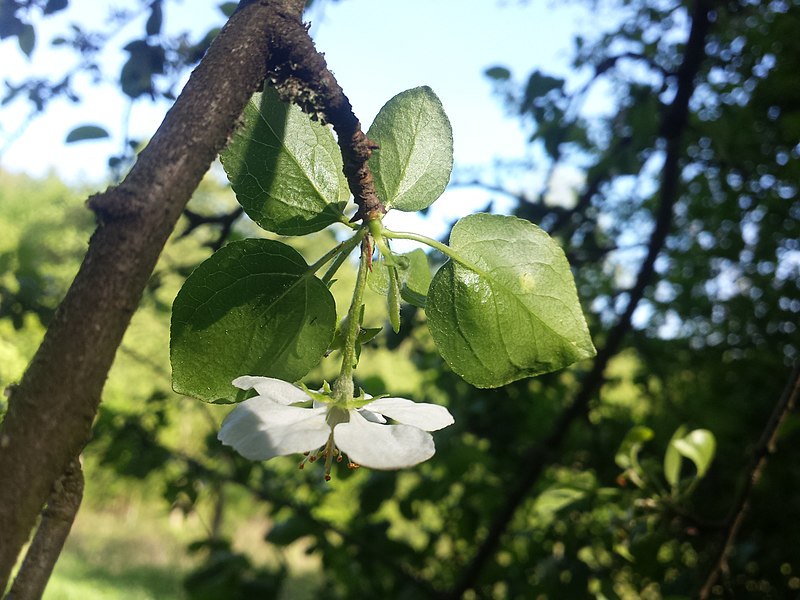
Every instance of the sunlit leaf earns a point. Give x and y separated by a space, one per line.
416 278
413 164
628 452
252 308
672 458
511 310
393 299
699 447
555 498
285 169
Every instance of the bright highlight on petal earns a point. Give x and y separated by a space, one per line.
276 390
267 425
383 446
430 417
260 429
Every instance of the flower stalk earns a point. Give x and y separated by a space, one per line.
343 388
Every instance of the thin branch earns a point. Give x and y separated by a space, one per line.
536 208
50 536
302 76
540 455
225 221
765 447
611 62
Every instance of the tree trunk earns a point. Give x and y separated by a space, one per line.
50 413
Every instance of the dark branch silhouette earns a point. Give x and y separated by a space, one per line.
225 222
765 447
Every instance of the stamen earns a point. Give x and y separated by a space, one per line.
330 450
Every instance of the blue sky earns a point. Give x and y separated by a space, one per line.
376 48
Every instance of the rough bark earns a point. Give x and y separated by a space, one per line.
302 76
50 412
57 519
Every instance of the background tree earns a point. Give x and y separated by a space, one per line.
684 238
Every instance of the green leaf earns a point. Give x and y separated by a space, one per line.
699 447
86 132
155 20
290 530
413 273
415 157
498 73
378 277
393 299
252 308
228 8
416 278
627 455
27 39
555 498
509 309
285 169
672 458
54 6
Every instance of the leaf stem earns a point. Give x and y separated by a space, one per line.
344 249
343 388
443 248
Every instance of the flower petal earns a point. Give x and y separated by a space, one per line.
260 429
382 446
430 417
276 390
370 416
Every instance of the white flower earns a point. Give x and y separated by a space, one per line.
268 425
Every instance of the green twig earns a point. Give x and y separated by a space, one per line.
344 249
443 248
343 386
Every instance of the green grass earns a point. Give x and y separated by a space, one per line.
124 554
78 580
137 551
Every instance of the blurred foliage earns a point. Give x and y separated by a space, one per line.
711 346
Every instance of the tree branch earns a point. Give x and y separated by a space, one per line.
50 413
50 536
225 221
301 75
539 455
765 447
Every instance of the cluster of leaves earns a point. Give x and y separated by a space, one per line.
504 306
